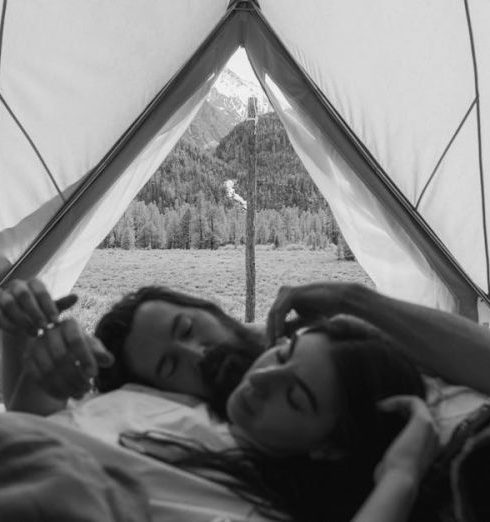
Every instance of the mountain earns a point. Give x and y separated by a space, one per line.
225 107
189 172
282 180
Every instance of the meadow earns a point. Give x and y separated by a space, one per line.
218 275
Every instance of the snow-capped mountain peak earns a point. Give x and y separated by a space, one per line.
236 91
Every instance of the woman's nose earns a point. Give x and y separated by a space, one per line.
269 378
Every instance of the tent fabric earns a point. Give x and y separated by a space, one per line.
387 105
77 76
401 75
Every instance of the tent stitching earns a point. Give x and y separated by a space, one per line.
478 122
2 25
31 142
448 146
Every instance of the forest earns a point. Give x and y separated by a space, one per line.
186 204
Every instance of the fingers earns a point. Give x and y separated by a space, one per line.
79 347
43 304
417 444
26 307
104 358
408 405
64 303
62 361
14 317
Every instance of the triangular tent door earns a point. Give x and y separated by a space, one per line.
386 103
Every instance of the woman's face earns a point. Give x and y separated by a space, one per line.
167 342
287 403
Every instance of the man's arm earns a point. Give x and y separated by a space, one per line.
449 345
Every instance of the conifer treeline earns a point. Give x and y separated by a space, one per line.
185 204
207 225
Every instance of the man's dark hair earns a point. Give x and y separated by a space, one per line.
222 366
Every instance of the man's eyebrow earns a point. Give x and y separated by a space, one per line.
175 323
160 363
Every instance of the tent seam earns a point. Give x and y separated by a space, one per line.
2 25
478 123
32 144
380 173
448 146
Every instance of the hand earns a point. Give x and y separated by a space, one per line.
307 301
65 359
414 449
26 307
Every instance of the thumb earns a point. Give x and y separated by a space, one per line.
104 358
66 302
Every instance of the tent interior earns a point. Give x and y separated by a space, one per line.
387 104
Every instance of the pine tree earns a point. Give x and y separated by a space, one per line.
128 239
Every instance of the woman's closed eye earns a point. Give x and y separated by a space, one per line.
295 399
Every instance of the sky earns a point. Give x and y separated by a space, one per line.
240 65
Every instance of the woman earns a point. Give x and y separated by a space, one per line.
305 417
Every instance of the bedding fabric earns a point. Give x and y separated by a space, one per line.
43 477
175 495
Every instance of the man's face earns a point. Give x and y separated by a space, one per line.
167 342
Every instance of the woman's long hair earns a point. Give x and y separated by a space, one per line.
222 367
370 368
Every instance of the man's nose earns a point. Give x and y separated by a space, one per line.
192 349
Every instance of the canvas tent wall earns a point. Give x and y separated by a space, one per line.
386 103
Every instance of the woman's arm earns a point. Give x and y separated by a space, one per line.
404 464
449 345
391 501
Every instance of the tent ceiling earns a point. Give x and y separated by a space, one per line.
393 93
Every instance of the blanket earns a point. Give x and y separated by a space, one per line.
43 477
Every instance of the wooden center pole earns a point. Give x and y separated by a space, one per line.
251 203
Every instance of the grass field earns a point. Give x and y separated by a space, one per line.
218 275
